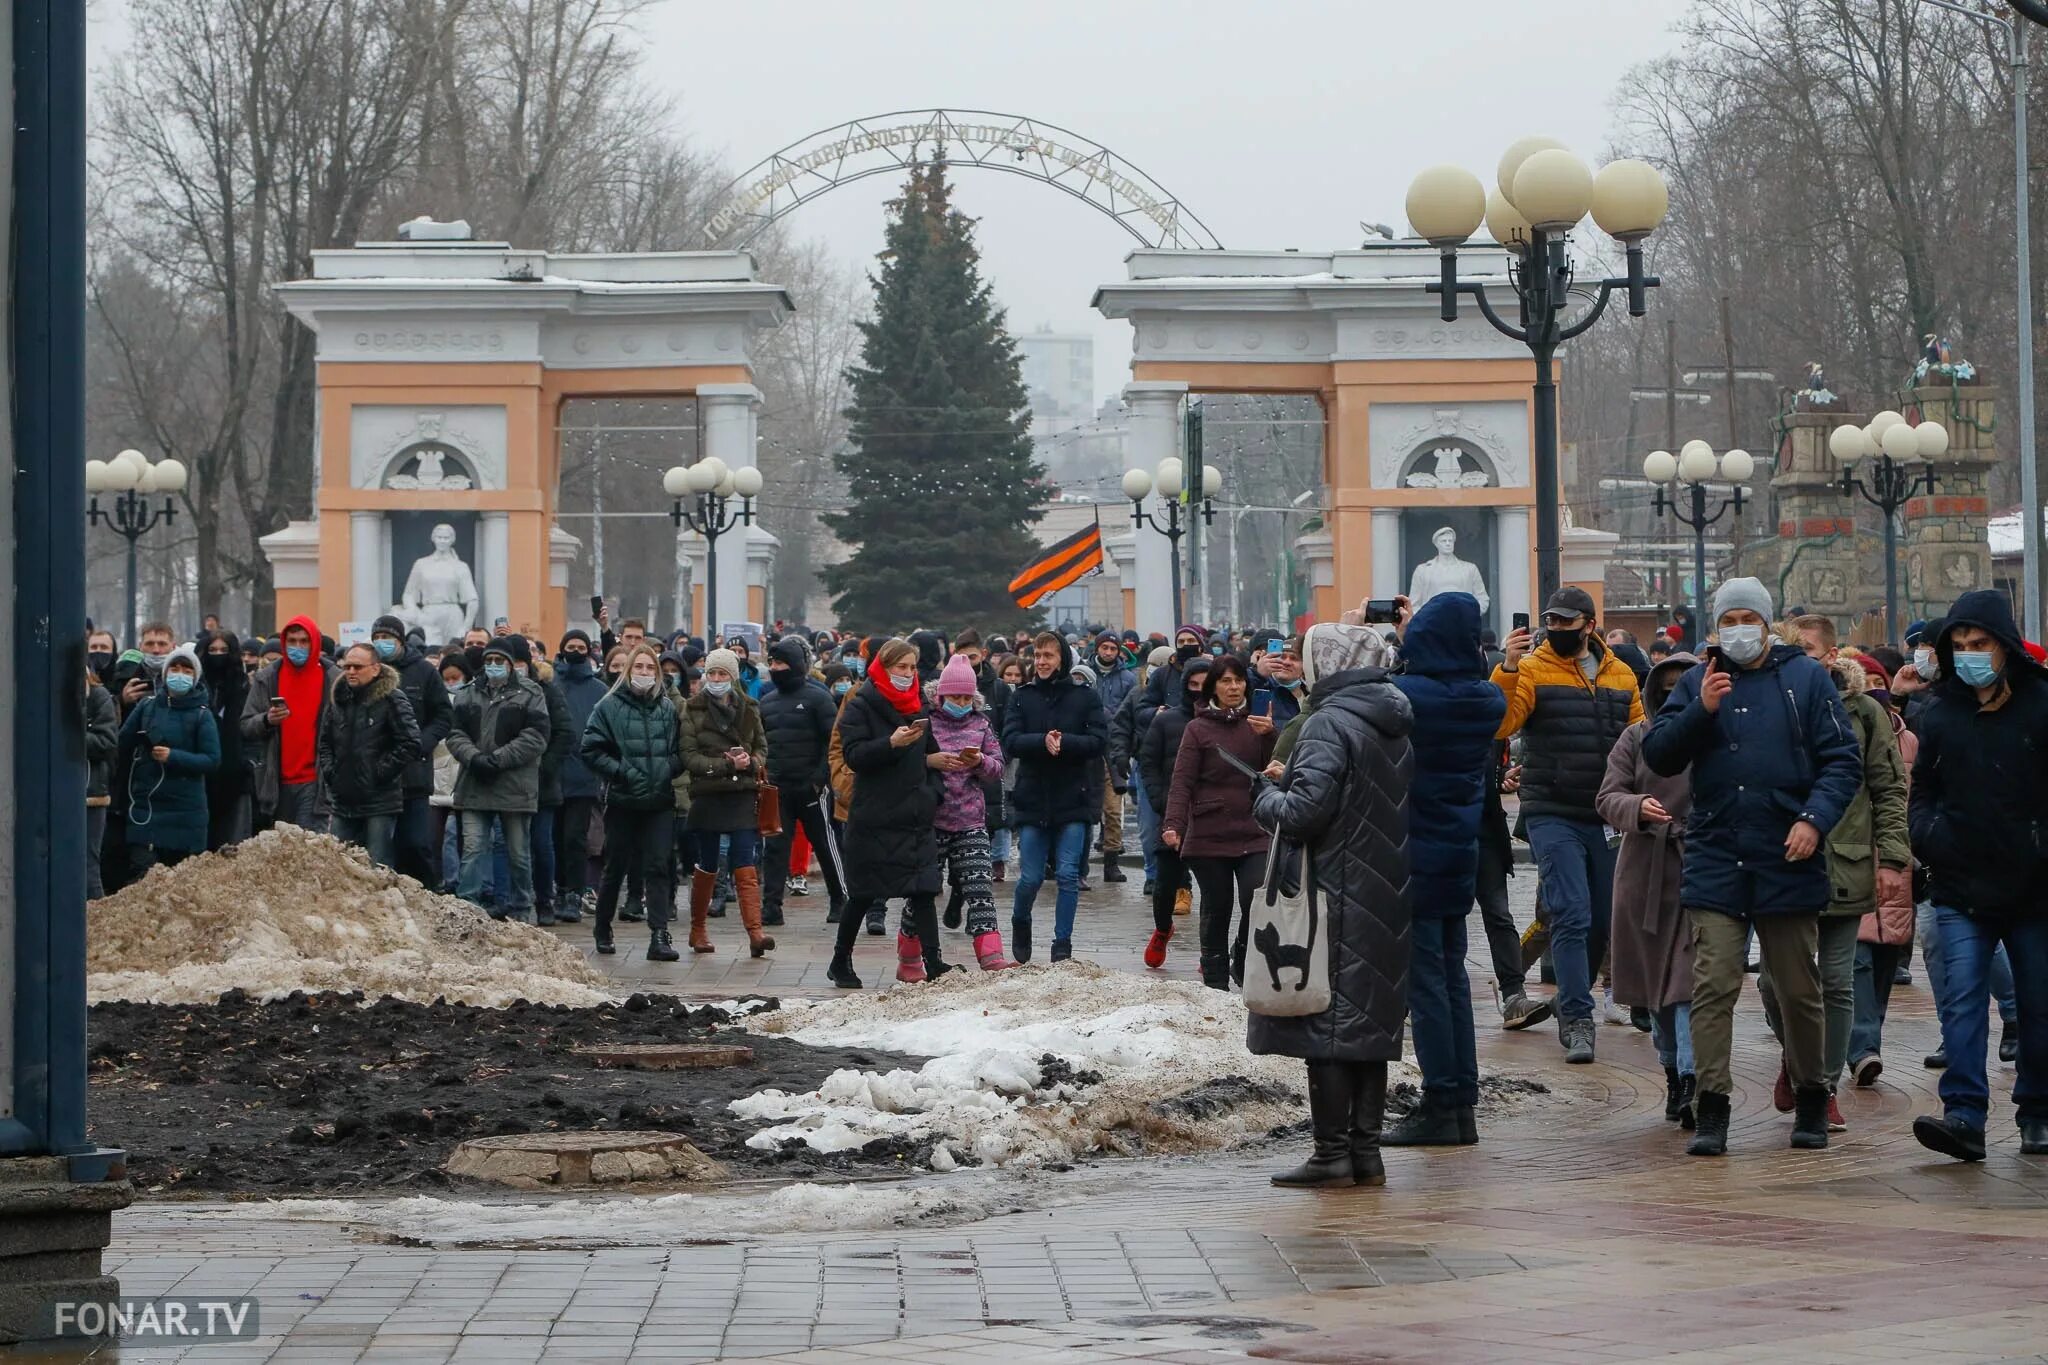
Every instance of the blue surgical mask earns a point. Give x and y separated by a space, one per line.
1974 667
386 647
298 654
179 683
718 689
958 710
841 688
497 672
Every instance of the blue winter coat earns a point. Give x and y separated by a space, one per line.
1062 788
1779 750
1113 685
582 689
1457 710
166 801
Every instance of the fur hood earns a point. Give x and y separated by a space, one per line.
381 686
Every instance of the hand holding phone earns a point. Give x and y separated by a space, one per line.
1716 685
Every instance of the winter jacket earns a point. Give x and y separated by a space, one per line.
1160 749
1346 801
562 736
1979 804
1872 831
634 746
1896 917
964 802
1779 750
227 691
1567 724
1055 789
421 683
1114 683
166 802
499 735
1209 802
1457 712
722 795
263 741
1124 735
581 690
798 723
368 740
890 847
102 742
1650 936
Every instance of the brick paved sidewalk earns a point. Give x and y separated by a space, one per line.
1574 1232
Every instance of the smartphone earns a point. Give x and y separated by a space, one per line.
596 605
972 753
503 621
281 704
1276 646
1382 611
1519 621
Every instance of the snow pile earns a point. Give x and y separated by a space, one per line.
1141 1064
424 1221
292 911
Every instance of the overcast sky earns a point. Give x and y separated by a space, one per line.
1278 122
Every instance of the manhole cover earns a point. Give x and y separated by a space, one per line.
668 1056
533 1160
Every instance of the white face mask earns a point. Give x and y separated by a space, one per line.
643 685
904 681
1744 644
1925 665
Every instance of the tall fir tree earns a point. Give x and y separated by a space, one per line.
942 487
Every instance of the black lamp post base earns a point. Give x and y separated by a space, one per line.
53 1230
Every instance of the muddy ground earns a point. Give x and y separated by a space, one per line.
325 1094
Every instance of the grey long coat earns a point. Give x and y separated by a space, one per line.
1650 938
1346 799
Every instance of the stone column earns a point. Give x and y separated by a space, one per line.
1154 421
494 567
1822 560
369 567
1121 550
1945 544
1386 553
728 415
294 555
1511 587
1317 552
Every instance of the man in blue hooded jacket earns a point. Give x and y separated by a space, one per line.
1457 709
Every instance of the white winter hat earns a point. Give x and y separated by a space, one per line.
187 652
725 659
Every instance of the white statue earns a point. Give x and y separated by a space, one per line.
440 592
1447 573
1450 472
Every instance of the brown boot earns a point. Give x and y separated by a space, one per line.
746 882
701 886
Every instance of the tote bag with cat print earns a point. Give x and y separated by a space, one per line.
1287 964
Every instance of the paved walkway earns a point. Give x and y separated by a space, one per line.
1576 1231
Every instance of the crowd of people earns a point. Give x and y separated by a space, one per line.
1832 807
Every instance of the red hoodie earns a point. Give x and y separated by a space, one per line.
304 689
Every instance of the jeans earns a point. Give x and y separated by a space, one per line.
1576 869
1671 1032
476 857
1876 966
95 834
1930 951
296 804
1837 954
637 843
451 846
1440 1012
1503 941
375 834
417 855
1967 945
742 848
1148 827
543 846
1068 845
810 818
998 841
1223 880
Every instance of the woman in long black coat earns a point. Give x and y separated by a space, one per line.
891 850
227 789
1344 797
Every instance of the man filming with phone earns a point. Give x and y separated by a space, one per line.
1570 698
1056 732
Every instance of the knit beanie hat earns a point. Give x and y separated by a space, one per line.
725 659
792 651
1742 594
188 652
957 679
1196 631
574 634
1161 657
388 625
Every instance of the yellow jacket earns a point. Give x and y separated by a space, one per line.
1568 723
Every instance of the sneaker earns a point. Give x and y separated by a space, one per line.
1155 948
1519 1011
1577 1037
2009 1043
799 886
1151 885
1902 977
1950 1137
543 915
1782 1098
1062 949
1836 1123
878 924
569 910
1866 1070
1610 1012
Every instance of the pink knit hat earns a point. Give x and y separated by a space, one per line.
958 679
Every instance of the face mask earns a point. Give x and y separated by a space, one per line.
576 665
386 647
1186 652
154 662
786 679
100 662
644 686
841 688
1744 644
298 654
1925 664
1974 667
497 672
718 689
453 688
904 681
179 683
959 710
1216 650
1567 643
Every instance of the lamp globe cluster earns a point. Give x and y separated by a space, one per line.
1541 185
1696 463
1169 478
711 475
1890 434
131 472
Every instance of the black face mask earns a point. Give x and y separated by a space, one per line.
786 679
1186 652
101 662
576 665
1566 643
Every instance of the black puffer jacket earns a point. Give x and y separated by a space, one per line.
1568 724
890 848
634 743
562 739
367 738
798 721
1160 746
1346 800
1056 789
431 708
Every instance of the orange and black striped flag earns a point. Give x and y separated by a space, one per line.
1062 565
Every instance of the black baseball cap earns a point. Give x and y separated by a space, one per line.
1570 601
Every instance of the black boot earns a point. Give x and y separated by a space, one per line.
1020 939
1687 1087
878 921
1427 1125
1468 1126
1712 1137
1674 1090
1110 871
660 948
927 921
840 972
1329 1110
832 915
953 903
1216 971
1810 1118
1368 1114
1950 1137
601 937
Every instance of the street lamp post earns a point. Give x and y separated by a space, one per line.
1888 447
1168 479
1542 193
131 475
1693 466
703 494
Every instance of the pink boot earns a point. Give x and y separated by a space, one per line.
909 958
988 951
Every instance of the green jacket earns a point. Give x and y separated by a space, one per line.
500 732
1872 831
707 735
634 743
